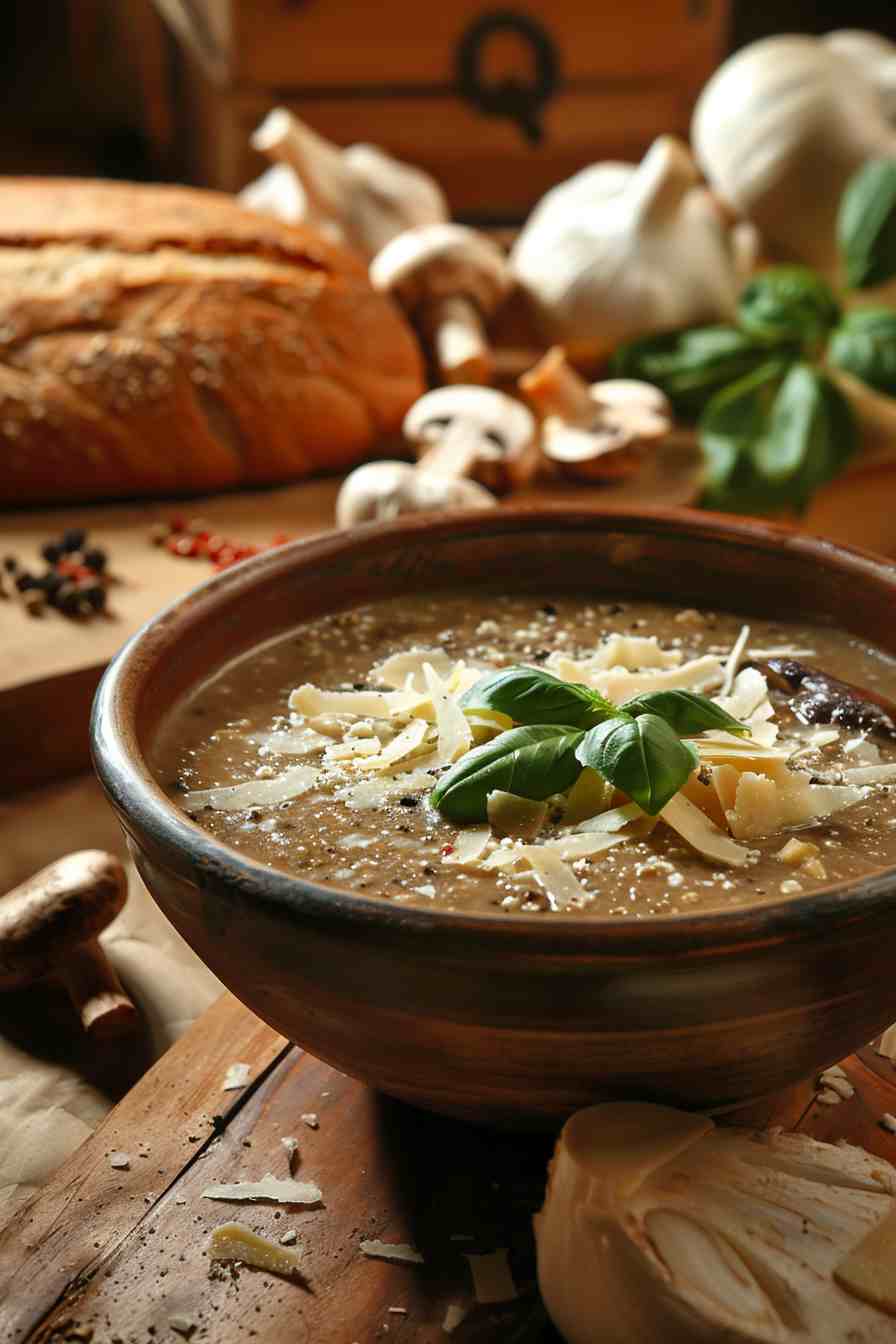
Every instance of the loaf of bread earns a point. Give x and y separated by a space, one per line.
161 340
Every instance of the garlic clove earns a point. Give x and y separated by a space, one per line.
659 1228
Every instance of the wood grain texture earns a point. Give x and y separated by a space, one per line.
122 1252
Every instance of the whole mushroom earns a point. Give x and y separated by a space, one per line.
49 926
359 196
598 432
463 431
449 279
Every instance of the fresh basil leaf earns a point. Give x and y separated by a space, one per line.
686 712
768 447
533 762
643 757
866 224
734 420
692 366
530 695
788 303
865 345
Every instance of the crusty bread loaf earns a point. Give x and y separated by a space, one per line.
162 339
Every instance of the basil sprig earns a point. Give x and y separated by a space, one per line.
788 303
691 366
866 224
865 345
636 747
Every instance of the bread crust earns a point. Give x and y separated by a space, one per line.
163 340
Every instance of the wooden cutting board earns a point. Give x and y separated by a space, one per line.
50 666
107 1255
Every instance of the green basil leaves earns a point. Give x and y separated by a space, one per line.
691 366
644 757
637 747
773 438
865 345
533 761
866 224
788 303
530 695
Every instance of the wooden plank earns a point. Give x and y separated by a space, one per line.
164 1123
121 1253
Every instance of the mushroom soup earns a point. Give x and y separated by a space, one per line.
547 754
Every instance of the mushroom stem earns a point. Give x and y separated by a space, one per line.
553 387
454 454
459 343
96 992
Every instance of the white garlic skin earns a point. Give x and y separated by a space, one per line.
779 130
620 251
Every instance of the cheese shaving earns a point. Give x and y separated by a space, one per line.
295 781
358 749
310 700
271 1187
869 774
779 798
233 1241
695 827
633 652
300 741
492 1279
699 675
403 745
454 732
386 1250
469 847
559 882
405 670
237 1076
748 692
732 663
375 792
567 848
614 820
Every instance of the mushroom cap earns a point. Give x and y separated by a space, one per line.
67 903
379 491
438 261
504 426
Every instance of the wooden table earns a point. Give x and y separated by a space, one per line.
119 1253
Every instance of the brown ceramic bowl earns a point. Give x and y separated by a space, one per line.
512 1020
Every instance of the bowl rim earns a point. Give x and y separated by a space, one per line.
131 787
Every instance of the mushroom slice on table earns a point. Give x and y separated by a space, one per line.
475 432
597 432
49 925
359 196
449 279
466 431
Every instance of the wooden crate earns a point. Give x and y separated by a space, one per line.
614 78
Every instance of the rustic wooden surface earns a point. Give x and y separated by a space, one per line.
119 1253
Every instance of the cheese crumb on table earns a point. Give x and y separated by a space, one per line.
269 1187
121 1161
311 1120
237 1076
182 1325
234 1241
386 1250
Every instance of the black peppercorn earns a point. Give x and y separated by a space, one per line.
95 559
95 595
24 581
68 599
73 539
51 552
10 564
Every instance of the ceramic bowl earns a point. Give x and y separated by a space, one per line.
519 1020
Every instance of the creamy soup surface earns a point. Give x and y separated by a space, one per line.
324 800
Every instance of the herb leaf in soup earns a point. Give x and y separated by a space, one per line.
530 695
686 712
642 756
534 761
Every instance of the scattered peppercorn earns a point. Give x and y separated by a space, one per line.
73 539
193 539
52 551
73 581
95 559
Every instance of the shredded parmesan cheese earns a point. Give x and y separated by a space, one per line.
375 792
733 661
469 847
404 671
695 827
269 1187
233 1241
869 774
237 1076
295 781
310 700
455 736
780 798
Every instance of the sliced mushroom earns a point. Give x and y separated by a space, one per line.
598 432
465 431
449 279
474 432
359 196
49 925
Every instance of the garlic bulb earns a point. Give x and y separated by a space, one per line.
780 129
619 251
874 57
659 1228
